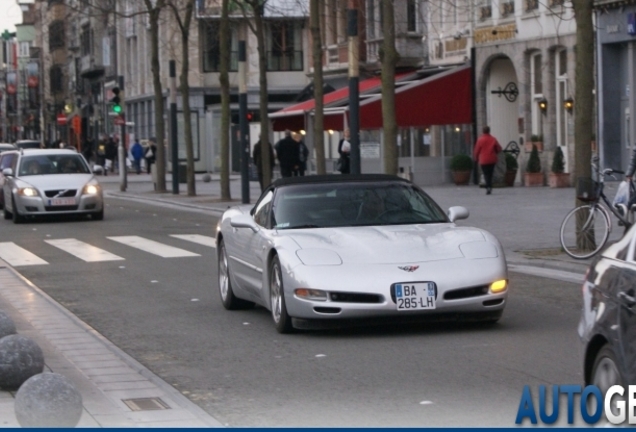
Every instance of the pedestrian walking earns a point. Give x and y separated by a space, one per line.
150 155
111 155
137 152
288 155
344 150
303 153
258 161
486 150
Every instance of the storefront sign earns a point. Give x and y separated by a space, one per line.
495 33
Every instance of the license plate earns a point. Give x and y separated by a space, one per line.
415 295
62 201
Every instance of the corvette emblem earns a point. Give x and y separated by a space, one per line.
408 268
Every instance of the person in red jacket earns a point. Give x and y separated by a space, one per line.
486 150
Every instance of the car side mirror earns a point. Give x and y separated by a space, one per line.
457 213
7 172
243 221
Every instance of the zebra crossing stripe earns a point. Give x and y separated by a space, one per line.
152 247
83 251
197 238
16 256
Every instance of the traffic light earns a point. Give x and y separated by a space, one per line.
116 101
249 116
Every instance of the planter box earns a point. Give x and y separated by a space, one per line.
528 146
559 180
509 178
533 179
461 178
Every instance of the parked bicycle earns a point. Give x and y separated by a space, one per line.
586 228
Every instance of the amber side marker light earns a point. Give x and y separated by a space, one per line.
498 286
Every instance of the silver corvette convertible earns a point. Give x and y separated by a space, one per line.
323 251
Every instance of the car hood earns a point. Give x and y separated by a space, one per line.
57 181
392 244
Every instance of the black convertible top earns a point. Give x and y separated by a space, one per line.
337 178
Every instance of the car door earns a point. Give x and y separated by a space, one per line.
6 161
247 261
627 312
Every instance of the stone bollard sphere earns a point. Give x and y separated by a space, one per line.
6 325
48 400
20 359
207 178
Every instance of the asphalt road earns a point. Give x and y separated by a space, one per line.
166 313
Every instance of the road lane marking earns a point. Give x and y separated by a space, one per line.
549 273
197 238
83 251
152 247
16 256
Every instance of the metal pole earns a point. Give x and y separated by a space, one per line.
122 141
354 93
173 127
243 126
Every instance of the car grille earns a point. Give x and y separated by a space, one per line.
61 208
466 292
54 193
354 298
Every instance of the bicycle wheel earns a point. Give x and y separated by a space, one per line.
584 231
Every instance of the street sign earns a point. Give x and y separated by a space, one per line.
119 120
61 119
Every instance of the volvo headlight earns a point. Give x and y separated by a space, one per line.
28 192
90 189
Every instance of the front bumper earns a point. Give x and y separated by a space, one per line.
38 206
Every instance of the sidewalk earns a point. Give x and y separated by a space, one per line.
118 391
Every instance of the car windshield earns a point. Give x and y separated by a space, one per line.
52 164
353 204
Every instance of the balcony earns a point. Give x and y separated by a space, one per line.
89 68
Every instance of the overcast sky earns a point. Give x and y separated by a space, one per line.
10 15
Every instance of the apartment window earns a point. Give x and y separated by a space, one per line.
332 22
371 19
531 5
24 48
485 11
57 37
56 79
411 15
212 47
536 87
284 46
554 3
507 8
85 41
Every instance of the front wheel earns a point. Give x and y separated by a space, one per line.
584 231
605 374
282 320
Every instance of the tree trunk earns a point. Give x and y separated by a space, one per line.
319 142
160 157
584 98
258 8
389 57
224 35
185 96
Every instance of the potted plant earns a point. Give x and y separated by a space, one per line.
511 169
535 140
533 175
558 178
461 166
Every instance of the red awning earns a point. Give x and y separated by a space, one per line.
445 98
293 117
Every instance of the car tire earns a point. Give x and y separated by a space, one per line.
17 218
6 213
98 215
228 299
282 320
605 372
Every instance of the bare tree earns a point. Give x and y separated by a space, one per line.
154 9
224 36
389 58
319 142
583 99
184 23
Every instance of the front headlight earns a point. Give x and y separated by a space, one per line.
28 192
90 189
310 294
498 286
